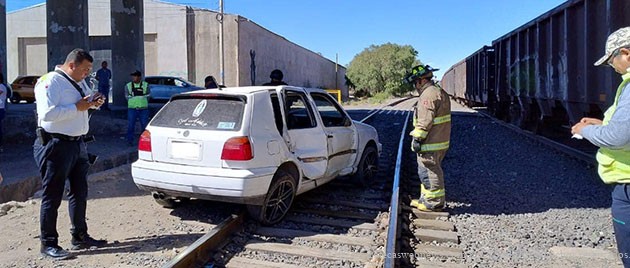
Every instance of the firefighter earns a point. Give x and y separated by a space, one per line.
431 135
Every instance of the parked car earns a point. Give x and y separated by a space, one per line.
23 89
163 87
258 146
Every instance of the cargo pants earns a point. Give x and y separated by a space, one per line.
432 193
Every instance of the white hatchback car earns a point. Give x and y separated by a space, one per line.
259 146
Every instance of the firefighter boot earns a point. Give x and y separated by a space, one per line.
422 207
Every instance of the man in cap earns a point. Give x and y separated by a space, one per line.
431 135
612 135
137 105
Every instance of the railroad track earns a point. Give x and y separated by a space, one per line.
338 224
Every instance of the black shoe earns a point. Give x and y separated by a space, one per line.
87 242
55 252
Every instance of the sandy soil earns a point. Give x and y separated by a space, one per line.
140 233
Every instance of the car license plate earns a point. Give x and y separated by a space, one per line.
185 150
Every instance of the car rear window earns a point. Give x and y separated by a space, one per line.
202 113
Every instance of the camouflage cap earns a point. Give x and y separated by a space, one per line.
616 40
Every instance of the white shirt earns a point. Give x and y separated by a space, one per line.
3 95
56 109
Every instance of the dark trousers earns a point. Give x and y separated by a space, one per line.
2 112
105 92
132 116
59 160
621 221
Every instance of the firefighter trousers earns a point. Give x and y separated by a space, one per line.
432 193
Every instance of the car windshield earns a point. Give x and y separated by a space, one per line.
224 114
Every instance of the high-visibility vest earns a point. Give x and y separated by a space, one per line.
614 164
138 93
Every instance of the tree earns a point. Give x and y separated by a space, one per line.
381 68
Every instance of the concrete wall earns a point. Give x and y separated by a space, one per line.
168 22
206 46
26 23
26 29
167 35
301 67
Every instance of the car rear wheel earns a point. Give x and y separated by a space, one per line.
277 201
368 166
15 98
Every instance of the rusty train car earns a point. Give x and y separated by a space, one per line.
542 73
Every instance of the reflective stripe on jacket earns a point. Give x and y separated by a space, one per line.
432 119
614 164
135 99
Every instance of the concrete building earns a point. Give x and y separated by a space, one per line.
180 41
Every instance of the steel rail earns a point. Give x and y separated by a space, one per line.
392 231
199 252
377 110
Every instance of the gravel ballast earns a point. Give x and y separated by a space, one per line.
512 199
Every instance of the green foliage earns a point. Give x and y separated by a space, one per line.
380 69
380 97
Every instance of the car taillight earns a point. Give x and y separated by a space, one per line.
237 148
144 144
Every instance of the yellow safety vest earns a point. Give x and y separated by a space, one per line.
614 165
138 100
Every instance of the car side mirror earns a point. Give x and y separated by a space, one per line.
347 122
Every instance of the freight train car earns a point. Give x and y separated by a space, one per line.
454 82
543 73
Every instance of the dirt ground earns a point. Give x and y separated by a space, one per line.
140 233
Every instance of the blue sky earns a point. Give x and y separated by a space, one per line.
442 31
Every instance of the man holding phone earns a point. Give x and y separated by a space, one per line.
60 151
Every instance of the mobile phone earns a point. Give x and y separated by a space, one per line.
94 97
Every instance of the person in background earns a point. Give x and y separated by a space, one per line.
276 78
3 102
137 105
103 76
60 150
612 136
210 82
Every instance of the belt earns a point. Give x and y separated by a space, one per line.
65 137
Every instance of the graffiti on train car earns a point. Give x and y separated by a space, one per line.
541 75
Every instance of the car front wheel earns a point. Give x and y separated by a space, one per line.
277 201
368 166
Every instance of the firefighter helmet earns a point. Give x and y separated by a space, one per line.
420 71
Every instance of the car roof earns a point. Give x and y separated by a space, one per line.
248 90
24 76
163 76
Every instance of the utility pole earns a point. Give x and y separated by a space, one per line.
221 54
336 70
